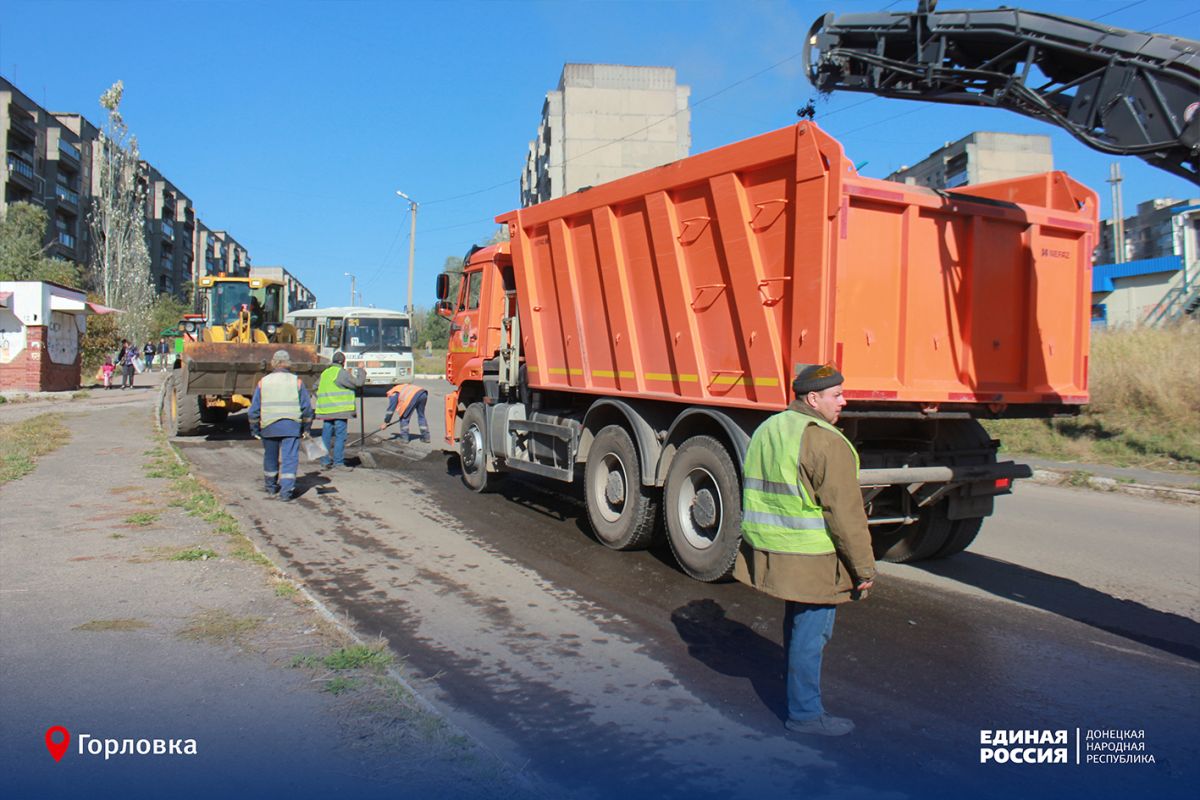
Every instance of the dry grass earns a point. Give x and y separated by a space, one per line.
219 627
21 443
1144 410
112 625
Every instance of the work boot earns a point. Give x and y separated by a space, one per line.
404 437
425 436
824 725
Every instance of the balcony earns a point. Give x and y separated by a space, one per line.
20 120
66 195
69 150
20 167
66 240
168 229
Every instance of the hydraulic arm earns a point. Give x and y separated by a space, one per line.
1117 91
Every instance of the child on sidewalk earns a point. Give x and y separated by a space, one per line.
107 370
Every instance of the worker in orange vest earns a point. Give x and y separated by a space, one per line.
407 398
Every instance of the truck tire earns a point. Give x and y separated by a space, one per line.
704 509
936 535
181 412
622 511
471 451
915 542
962 534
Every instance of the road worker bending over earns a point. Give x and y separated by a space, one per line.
407 398
804 534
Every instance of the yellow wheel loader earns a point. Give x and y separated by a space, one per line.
227 349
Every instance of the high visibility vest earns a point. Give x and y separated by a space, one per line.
408 392
331 398
279 397
777 514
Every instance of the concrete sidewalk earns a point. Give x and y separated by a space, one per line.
103 632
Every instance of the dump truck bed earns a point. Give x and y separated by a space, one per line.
710 280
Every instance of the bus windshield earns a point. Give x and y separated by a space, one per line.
367 335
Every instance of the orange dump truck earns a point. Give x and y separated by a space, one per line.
642 329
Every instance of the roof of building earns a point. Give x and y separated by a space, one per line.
1103 274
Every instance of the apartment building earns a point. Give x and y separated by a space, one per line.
980 157
170 234
49 163
52 159
605 121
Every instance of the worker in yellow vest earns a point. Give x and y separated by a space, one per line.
335 408
408 398
804 534
280 414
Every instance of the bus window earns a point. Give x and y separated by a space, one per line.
333 335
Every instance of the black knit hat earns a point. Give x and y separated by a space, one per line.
339 357
816 378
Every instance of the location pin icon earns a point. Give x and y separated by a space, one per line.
58 749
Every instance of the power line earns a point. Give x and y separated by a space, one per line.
1174 19
1118 10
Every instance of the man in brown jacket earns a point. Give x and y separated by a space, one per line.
804 534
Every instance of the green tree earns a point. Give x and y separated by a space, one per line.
22 255
100 340
165 314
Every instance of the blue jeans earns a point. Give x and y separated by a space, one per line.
333 434
417 405
281 458
807 629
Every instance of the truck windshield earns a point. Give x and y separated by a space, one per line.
363 335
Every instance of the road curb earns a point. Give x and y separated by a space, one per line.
1081 479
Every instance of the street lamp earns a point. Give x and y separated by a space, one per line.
352 293
412 247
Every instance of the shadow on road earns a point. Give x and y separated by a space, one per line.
727 646
1126 618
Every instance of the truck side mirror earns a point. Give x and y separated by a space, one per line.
445 308
443 286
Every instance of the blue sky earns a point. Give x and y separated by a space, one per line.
292 125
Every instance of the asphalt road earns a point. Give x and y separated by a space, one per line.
613 673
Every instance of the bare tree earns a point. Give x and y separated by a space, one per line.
120 257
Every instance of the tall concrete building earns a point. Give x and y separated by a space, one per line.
170 234
52 159
48 163
605 121
980 157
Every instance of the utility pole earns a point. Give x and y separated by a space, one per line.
352 292
412 249
1114 177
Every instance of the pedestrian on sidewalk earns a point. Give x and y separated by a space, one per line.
107 371
125 358
281 412
804 534
148 353
408 398
335 407
164 350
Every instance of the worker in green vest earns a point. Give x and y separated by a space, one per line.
804 534
335 408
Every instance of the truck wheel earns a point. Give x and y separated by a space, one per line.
182 411
962 533
471 450
704 509
915 542
621 509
